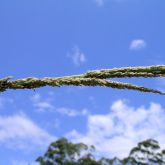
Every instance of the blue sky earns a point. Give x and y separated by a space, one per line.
60 37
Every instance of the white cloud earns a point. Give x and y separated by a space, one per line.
137 44
18 131
115 133
78 58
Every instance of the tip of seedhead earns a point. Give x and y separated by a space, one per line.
9 78
162 93
6 78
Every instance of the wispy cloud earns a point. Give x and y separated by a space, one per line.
99 2
161 81
72 112
44 105
16 162
78 58
19 132
120 130
137 44
4 101
41 105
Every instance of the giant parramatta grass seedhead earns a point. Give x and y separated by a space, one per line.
90 78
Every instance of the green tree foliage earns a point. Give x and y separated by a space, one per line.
63 152
147 153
